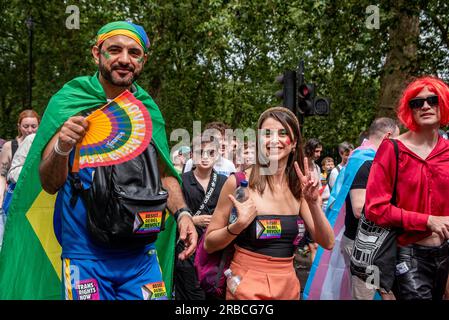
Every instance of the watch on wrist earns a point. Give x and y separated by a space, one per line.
178 212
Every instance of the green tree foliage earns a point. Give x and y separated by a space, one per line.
217 60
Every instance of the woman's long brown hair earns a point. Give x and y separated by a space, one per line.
289 121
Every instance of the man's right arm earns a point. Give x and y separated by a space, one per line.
54 167
357 193
357 201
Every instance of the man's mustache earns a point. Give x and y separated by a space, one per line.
121 67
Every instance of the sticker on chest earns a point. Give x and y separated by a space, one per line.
268 229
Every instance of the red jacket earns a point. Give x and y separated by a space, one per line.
422 189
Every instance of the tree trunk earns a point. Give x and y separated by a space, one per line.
401 61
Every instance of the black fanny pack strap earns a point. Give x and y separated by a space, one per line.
75 183
77 187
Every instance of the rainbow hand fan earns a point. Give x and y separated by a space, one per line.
118 132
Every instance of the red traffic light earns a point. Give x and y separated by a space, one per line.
307 91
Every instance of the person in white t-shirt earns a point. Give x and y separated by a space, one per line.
344 150
19 158
223 165
327 164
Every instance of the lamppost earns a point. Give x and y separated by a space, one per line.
30 24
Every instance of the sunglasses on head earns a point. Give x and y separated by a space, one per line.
417 103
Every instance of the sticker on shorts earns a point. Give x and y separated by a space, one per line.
148 222
268 229
87 290
402 268
154 291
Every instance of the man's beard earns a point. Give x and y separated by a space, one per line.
107 75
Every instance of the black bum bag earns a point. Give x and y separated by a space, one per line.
126 204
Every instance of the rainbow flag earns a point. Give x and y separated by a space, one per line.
30 260
329 277
118 132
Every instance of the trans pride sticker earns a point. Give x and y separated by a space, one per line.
154 291
301 231
148 222
87 290
268 229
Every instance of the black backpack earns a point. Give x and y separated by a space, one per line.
126 202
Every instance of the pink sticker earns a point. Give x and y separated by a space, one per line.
87 290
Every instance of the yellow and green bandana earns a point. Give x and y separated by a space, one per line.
124 28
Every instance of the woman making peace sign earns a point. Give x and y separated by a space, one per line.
267 222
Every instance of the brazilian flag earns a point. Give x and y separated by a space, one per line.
30 260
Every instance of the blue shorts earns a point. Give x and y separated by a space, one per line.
128 278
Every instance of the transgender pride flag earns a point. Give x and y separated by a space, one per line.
329 277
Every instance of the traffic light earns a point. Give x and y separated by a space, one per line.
300 97
308 104
288 92
306 96
322 106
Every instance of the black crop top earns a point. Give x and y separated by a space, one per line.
271 235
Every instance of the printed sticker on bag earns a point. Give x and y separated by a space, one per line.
268 229
87 290
402 268
154 291
148 222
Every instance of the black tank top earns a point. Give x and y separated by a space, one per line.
271 235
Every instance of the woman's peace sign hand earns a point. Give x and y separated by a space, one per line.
309 183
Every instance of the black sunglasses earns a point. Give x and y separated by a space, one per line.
210 153
417 103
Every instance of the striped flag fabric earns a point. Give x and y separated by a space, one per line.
329 277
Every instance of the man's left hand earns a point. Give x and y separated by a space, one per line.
187 234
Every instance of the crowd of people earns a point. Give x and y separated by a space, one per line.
283 199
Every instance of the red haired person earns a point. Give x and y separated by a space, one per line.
422 209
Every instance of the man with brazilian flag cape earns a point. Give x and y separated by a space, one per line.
30 260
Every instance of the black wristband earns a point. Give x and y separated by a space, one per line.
234 234
176 214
